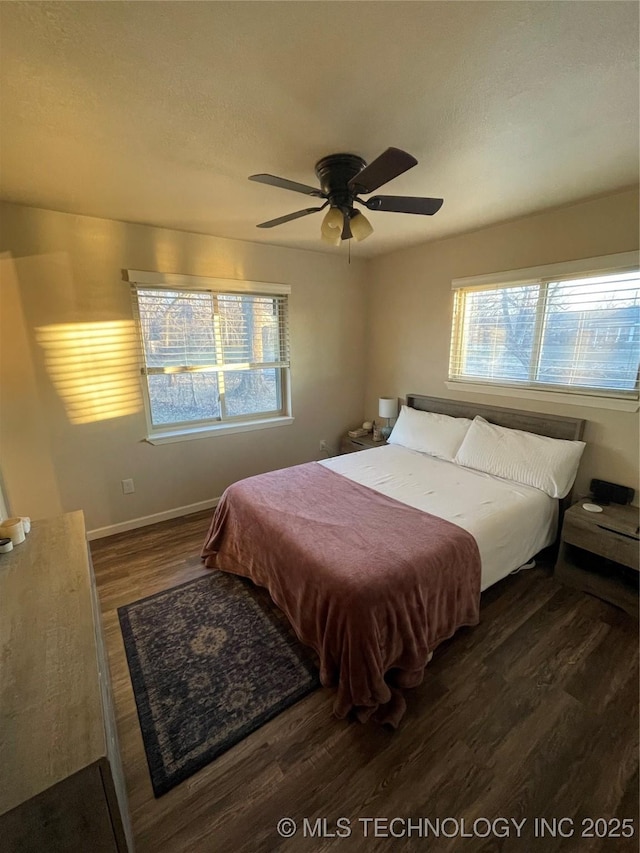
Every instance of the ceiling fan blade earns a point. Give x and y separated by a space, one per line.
404 204
283 183
388 165
290 216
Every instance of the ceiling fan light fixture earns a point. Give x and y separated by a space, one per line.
332 225
361 228
343 177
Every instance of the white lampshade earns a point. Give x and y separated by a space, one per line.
332 225
360 226
388 407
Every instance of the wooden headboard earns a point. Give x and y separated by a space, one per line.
554 426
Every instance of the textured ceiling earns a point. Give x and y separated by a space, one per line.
157 112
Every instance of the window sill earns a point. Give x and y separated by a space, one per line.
190 433
613 403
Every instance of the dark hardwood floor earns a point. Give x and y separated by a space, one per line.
533 714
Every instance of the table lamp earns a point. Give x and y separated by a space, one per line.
387 408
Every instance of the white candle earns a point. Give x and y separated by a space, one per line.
13 528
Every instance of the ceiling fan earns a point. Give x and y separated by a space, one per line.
343 177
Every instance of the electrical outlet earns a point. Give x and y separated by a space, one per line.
323 446
127 487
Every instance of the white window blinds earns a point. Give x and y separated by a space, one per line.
186 330
212 356
577 332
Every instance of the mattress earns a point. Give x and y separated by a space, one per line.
510 522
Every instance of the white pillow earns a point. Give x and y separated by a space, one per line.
437 435
548 464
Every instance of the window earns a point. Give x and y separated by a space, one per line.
574 332
212 358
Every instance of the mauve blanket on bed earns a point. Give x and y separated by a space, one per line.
371 584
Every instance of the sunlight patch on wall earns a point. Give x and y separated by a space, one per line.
94 368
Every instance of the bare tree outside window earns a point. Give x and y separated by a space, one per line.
212 356
580 333
498 333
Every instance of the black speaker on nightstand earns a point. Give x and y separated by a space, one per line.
605 493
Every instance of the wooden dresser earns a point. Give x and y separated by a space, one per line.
61 782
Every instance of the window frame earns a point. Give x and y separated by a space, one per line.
194 429
540 276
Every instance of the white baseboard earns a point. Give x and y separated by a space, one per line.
145 520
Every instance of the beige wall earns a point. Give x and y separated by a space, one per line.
25 451
61 275
410 309
381 326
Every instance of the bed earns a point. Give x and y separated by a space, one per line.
377 557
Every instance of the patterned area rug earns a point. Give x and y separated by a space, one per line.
210 661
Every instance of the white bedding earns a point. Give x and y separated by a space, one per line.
510 522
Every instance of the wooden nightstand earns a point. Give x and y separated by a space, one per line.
352 445
599 553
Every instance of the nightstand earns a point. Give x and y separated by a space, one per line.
599 553
352 445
